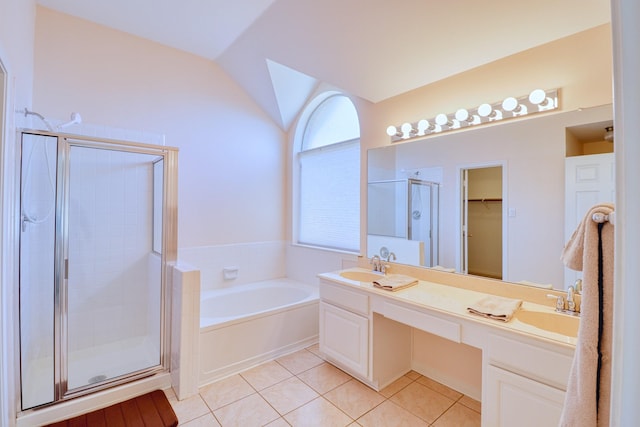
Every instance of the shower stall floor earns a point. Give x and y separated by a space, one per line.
89 366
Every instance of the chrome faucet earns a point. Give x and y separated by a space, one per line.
384 268
375 262
578 286
559 302
571 304
571 307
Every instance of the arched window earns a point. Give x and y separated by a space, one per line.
328 205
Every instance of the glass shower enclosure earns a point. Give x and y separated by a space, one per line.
403 210
97 232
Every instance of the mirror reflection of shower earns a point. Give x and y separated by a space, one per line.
403 217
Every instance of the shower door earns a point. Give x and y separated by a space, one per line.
113 291
37 269
423 217
98 303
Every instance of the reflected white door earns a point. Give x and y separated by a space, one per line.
589 180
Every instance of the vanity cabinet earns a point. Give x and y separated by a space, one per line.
344 337
373 335
524 382
344 328
515 400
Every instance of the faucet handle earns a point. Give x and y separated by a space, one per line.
578 286
571 303
375 262
559 301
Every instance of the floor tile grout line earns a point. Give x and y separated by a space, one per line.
443 412
322 394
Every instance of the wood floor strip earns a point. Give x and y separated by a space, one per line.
149 410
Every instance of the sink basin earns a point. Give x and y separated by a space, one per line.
552 322
360 276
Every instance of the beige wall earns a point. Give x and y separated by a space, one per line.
231 160
16 53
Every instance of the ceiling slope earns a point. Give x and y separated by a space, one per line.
373 49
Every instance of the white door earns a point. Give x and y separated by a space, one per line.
589 180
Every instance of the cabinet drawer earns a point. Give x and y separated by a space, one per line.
340 296
543 364
426 322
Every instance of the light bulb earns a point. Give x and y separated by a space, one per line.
510 104
485 110
406 129
462 115
442 120
608 133
423 126
392 131
537 96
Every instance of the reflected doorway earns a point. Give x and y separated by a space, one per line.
482 221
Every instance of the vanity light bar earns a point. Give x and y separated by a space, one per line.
537 101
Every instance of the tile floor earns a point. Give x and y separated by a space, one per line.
301 389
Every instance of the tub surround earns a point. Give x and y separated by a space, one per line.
211 347
244 302
185 325
258 322
254 261
374 334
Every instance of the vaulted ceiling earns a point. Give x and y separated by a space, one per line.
280 50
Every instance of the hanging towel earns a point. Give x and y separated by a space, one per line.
495 307
590 249
394 282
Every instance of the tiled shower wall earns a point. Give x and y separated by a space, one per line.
110 245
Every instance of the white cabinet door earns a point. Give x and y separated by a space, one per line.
344 337
514 400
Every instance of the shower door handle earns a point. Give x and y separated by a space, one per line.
66 269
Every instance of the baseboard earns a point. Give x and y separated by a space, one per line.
456 384
212 376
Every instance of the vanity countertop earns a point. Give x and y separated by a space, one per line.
453 301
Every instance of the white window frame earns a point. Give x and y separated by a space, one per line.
303 121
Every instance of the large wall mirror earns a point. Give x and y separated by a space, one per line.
516 193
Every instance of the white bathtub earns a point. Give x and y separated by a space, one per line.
245 325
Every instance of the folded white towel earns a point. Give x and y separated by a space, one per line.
495 307
394 282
